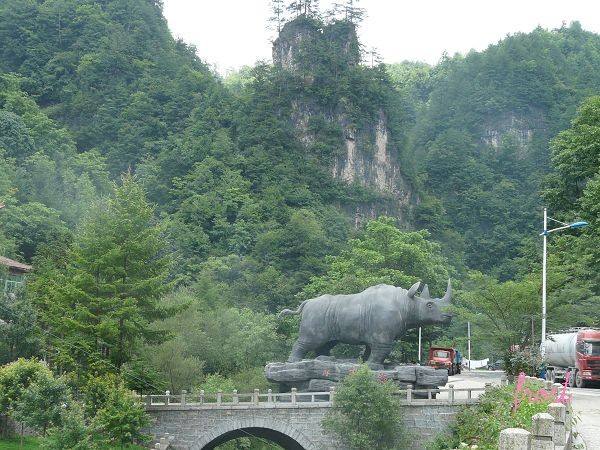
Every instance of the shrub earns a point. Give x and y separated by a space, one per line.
365 413
121 419
15 378
96 391
499 408
29 393
40 404
72 434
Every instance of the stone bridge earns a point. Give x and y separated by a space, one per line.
292 420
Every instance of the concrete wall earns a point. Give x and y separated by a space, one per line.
193 428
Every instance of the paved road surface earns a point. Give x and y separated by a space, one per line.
586 403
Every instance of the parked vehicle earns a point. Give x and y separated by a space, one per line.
445 358
577 352
498 365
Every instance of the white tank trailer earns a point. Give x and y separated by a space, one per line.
577 352
561 350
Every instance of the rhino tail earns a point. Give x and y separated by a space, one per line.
289 312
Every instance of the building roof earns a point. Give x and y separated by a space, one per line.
12 264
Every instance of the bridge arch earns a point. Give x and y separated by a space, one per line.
278 432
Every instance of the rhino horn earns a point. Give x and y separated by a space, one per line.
413 289
448 294
425 292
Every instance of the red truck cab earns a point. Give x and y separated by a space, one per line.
588 357
444 358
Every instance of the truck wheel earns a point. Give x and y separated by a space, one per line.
579 381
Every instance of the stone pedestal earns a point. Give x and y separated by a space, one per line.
324 372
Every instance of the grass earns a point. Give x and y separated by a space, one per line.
15 444
32 443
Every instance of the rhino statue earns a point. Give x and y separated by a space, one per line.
375 317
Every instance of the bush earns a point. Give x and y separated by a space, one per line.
30 394
15 378
96 391
73 434
366 414
481 424
121 419
40 404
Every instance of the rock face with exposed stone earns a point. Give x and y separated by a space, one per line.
324 372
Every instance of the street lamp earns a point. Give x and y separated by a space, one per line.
545 234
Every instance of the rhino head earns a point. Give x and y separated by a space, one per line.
427 310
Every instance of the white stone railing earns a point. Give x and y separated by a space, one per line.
270 399
228 399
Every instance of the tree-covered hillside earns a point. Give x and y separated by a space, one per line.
169 214
481 137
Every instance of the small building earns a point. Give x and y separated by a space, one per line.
13 274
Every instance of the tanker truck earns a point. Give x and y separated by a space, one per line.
578 352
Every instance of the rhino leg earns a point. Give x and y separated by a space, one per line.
379 351
367 353
325 349
300 349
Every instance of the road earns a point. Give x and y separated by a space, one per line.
586 403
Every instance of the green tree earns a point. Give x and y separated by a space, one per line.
73 432
41 403
382 253
20 335
121 419
15 378
105 298
366 414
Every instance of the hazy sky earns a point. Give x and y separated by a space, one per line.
232 33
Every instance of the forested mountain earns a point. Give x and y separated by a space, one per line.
482 126
170 213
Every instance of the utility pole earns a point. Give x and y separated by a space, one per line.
469 343
545 234
419 345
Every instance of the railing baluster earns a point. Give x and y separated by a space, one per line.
183 398
256 396
294 390
270 396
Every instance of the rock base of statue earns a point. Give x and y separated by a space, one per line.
324 372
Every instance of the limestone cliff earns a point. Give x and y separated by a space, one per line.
366 153
519 128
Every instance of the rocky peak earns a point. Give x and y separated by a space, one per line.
303 35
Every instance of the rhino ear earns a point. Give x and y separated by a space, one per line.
413 289
425 292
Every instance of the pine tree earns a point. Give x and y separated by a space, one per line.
278 11
104 299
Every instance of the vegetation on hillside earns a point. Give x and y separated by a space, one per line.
170 214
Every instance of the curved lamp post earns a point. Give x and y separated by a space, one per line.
545 234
